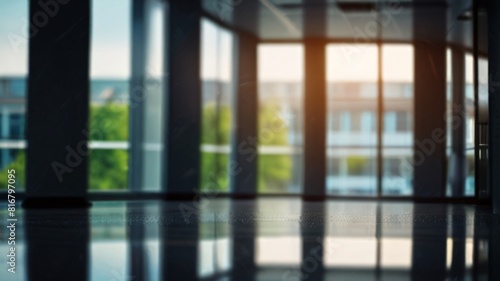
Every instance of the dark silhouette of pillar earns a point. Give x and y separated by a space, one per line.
57 244
58 104
494 101
183 101
244 150
429 160
429 242
315 102
458 122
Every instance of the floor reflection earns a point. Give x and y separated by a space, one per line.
265 239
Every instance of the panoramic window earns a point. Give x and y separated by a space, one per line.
13 80
217 110
397 136
352 119
279 136
109 92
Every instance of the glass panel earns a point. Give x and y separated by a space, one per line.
217 110
151 95
109 91
13 73
470 180
483 121
280 76
449 124
352 119
397 135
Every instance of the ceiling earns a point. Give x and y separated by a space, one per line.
343 20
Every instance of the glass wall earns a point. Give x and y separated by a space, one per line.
469 125
150 96
397 136
13 75
484 188
216 106
280 121
109 94
450 158
352 73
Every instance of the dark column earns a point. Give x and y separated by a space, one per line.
243 234
429 159
57 244
183 108
136 228
179 242
458 247
494 101
494 249
457 123
315 102
58 104
312 229
244 177
429 242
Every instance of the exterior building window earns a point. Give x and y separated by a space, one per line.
367 122
351 138
16 124
109 92
217 110
280 117
397 137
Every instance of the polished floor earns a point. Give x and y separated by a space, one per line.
265 239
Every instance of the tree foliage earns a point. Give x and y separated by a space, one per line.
108 168
274 171
19 165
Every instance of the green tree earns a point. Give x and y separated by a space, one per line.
19 165
274 170
216 130
108 168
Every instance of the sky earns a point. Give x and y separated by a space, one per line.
110 42
13 57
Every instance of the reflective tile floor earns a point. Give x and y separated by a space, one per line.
265 239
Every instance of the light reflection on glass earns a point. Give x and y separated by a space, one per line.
469 125
217 106
281 250
153 95
350 252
